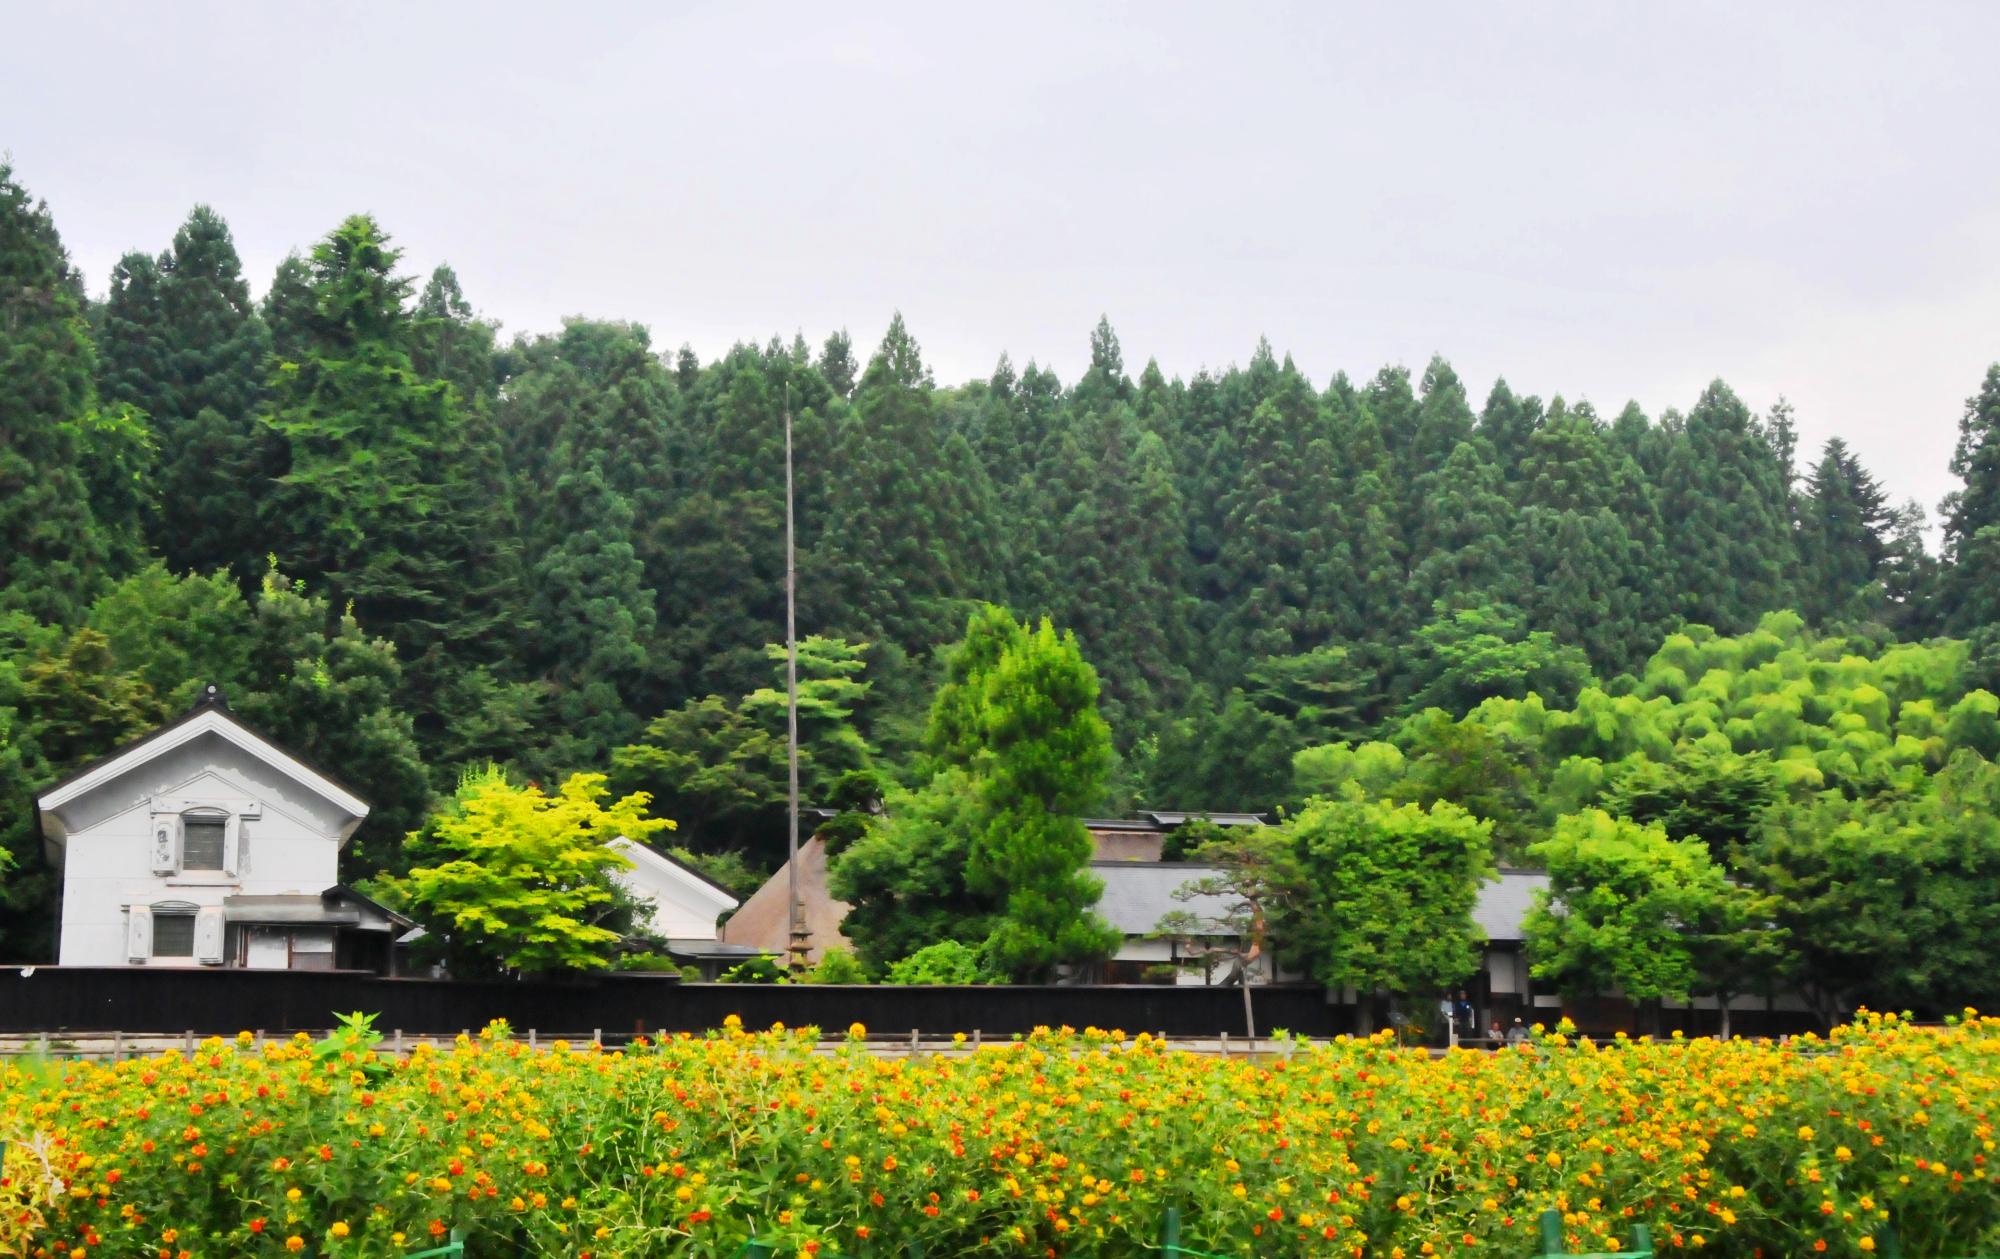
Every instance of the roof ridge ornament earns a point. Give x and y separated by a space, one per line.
211 697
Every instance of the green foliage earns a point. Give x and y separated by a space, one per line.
323 687
758 970
1702 793
1475 654
573 543
946 962
1628 908
517 881
1388 893
175 633
836 966
1043 763
1886 900
905 877
52 548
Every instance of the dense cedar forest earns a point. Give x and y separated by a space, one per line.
406 547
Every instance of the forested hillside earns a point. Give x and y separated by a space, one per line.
406 546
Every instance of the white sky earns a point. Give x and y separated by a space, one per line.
1606 201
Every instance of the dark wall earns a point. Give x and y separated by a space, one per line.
92 999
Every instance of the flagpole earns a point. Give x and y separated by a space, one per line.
798 918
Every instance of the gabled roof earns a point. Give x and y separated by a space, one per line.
210 715
642 855
341 891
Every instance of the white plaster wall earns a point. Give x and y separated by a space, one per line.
209 753
1160 952
288 850
679 911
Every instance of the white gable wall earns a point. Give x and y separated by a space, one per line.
290 844
685 906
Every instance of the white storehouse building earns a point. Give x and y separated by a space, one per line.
205 844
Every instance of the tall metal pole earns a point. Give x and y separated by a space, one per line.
798 916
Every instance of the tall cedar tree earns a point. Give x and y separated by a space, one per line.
1724 489
365 505
1972 513
52 550
909 532
1843 540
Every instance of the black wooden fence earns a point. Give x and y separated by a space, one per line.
136 999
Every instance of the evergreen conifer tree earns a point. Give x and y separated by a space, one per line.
1843 540
1972 513
364 503
1723 487
52 550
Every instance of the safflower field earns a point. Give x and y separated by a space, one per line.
1058 1144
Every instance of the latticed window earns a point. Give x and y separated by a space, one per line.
202 843
173 933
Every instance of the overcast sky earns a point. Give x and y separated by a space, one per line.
1606 201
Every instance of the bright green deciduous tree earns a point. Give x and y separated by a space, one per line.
1889 901
1388 896
516 880
1628 908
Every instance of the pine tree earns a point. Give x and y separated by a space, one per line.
52 550
1910 575
1120 552
448 343
1044 757
836 363
288 308
1444 422
1594 582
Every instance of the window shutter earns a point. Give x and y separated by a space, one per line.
139 933
166 843
232 845
208 937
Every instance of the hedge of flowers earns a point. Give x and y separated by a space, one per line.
1060 1144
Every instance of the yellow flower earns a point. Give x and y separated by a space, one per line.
339 1228
857 1031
